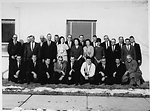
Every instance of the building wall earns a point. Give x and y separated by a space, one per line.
113 18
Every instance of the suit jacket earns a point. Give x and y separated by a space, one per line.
36 68
58 68
120 70
125 52
14 49
93 44
104 45
28 52
82 44
138 52
22 69
72 44
112 55
49 51
106 50
75 67
118 45
105 70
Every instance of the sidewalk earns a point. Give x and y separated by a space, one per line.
82 103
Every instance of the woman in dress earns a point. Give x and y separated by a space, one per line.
62 48
98 52
88 49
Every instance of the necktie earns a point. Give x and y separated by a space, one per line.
104 66
112 48
128 48
61 66
106 45
32 46
34 64
18 64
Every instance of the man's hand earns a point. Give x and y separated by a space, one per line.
114 74
69 78
63 72
71 71
103 78
48 76
102 73
13 57
43 60
17 73
126 73
34 74
61 78
54 60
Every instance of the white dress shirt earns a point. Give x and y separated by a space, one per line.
90 68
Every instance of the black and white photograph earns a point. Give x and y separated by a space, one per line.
75 55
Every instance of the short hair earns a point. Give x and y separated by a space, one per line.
120 37
105 35
15 35
113 39
32 36
131 37
69 35
98 40
127 39
94 36
81 35
48 34
56 35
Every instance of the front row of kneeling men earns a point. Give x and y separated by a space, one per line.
74 73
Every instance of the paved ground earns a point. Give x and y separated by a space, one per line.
84 103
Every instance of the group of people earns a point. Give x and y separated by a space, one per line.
75 61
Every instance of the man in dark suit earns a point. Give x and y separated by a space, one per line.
106 44
127 49
31 48
114 51
42 40
94 40
120 44
56 39
46 75
70 43
49 50
33 70
73 71
19 70
103 73
14 49
118 71
60 68
82 41
137 50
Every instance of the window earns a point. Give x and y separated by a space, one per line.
81 27
8 29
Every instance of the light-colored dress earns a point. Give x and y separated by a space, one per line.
88 51
62 51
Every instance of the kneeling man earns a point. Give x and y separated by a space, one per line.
87 71
60 70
